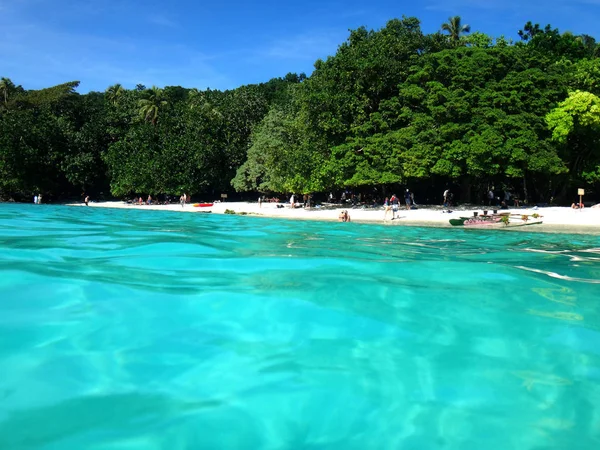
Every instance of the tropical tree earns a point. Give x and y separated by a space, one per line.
114 93
575 123
530 31
455 29
589 44
7 87
151 105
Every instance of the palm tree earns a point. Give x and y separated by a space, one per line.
7 88
150 106
455 28
114 93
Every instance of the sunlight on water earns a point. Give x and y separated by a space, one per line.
153 330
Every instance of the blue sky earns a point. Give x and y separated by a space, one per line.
224 44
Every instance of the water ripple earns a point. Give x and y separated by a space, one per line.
148 329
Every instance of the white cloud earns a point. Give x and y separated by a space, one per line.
307 46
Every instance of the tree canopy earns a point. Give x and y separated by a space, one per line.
391 107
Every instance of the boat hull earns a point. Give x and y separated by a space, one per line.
495 221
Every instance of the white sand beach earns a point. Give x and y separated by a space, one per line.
555 219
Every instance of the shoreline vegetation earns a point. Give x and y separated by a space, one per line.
392 109
555 219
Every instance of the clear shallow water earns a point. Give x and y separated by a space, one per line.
153 330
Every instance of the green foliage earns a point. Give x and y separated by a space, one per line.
575 123
580 109
391 106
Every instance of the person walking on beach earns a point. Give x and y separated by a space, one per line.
182 200
446 197
395 204
407 199
87 200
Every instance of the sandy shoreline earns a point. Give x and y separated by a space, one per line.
556 219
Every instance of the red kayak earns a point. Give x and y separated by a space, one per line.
202 205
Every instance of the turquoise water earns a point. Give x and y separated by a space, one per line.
156 330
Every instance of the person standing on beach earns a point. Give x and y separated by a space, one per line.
39 199
394 201
182 200
292 201
387 208
407 199
446 197
149 199
87 200
260 201
490 196
35 199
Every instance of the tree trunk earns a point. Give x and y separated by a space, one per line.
466 189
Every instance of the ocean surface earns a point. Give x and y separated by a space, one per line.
155 330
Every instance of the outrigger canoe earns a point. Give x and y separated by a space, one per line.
202 205
503 220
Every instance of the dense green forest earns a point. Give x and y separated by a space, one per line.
392 108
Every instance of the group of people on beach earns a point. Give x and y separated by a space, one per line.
140 201
306 201
392 204
37 199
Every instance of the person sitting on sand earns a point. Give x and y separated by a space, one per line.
577 205
140 201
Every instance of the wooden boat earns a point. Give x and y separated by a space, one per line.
202 205
502 220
